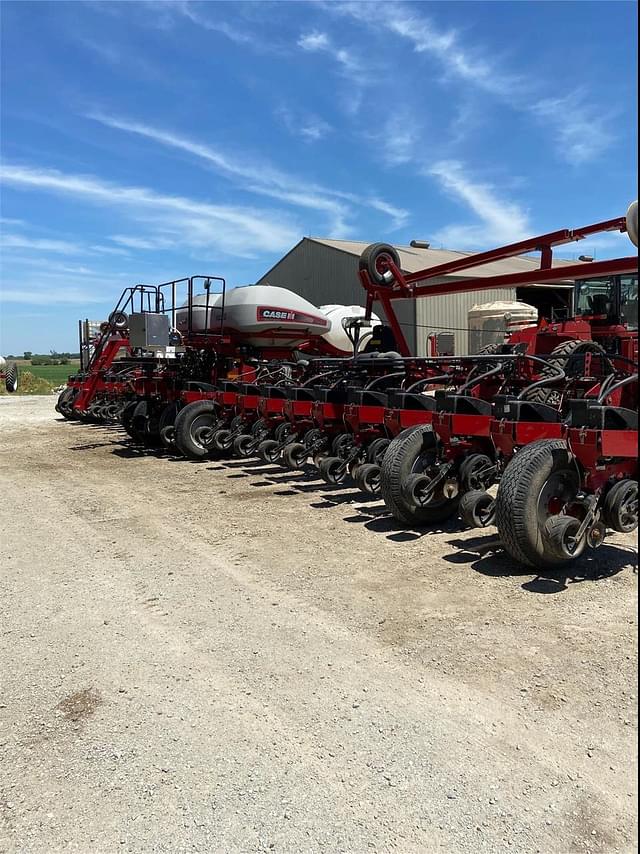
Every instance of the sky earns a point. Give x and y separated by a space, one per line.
146 141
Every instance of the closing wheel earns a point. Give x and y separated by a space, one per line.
189 433
377 450
375 260
367 478
282 431
222 439
413 452
620 509
312 436
259 427
477 509
167 424
333 470
476 472
65 403
295 455
341 443
560 535
269 451
244 446
540 482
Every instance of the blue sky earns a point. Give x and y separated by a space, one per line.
143 141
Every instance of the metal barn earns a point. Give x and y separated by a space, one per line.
325 271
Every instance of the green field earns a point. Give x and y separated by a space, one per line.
55 374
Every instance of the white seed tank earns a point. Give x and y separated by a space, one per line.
337 336
266 316
490 322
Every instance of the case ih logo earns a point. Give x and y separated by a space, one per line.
283 315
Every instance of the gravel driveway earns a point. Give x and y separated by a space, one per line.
225 657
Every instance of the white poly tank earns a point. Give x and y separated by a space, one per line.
337 336
491 322
260 315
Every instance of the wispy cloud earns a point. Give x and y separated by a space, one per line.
263 178
239 35
581 134
501 221
190 223
60 247
307 126
141 242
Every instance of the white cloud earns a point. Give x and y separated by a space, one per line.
190 223
263 178
314 41
501 221
581 134
307 126
63 247
141 242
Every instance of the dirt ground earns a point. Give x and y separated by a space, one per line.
226 657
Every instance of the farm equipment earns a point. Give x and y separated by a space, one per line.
9 375
561 372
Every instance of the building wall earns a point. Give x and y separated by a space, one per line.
450 314
324 275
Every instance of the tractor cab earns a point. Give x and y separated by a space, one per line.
609 305
608 301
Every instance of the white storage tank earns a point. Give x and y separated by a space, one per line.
337 336
491 322
262 315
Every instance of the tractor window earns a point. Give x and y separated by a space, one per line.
595 297
629 301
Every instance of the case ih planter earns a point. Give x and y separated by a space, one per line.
550 415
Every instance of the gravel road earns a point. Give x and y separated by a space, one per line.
225 657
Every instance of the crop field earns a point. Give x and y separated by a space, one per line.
55 374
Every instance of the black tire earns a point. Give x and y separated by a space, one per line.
282 431
167 424
559 533
332 470
295 455
139 423
341 443
373 261
523 500
244 446
190 419
367 478
11 377
397 466
473 474
259 428
477 509
65 403
620 510
118 320
311 437
269 451
561 358
376 451
222 439
127 415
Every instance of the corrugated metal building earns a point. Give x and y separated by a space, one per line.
326 272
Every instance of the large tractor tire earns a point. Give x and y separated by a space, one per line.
538 483
11 377
567 357
192 423
410 453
